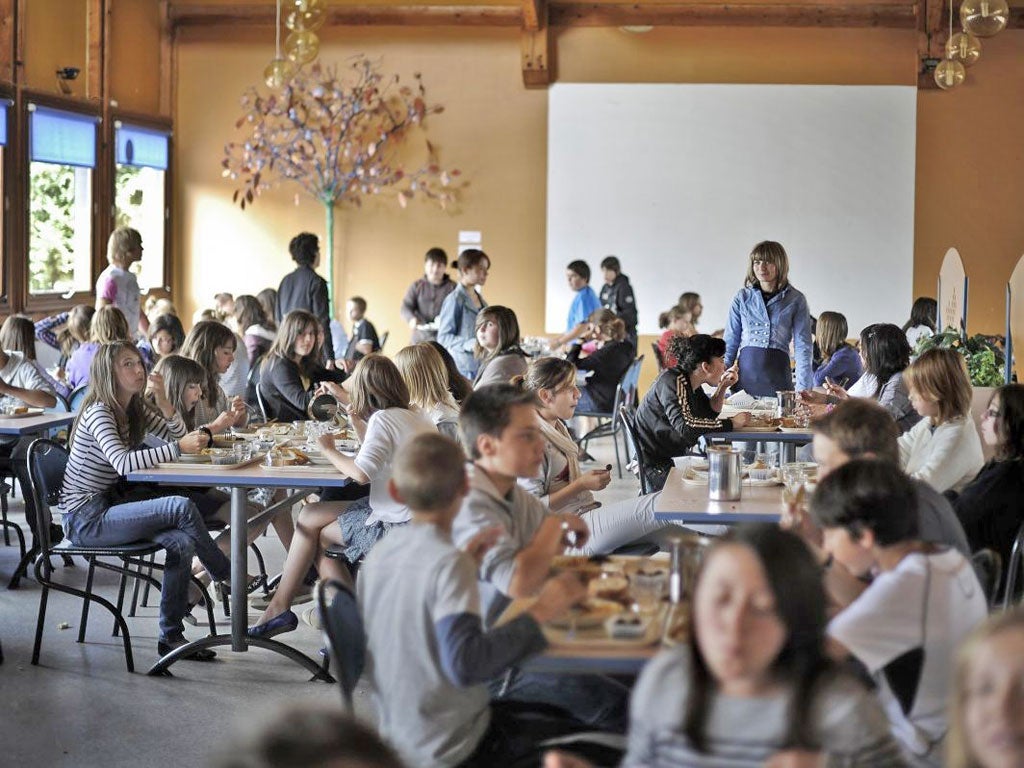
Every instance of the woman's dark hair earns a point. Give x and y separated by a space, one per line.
886 352
178 373
922 312
304 247
249 312
458 385
1010 421
470 258
868 494
268 300
172 325
508 331
691 352
18 334
580 268
796 582
201 346
294 324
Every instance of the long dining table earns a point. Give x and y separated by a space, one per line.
687 502
302 480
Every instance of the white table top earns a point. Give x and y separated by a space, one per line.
253 476
28 425
686 503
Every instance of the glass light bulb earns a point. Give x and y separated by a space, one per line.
963 47
278 73
949 74
302 47
984 18
307 15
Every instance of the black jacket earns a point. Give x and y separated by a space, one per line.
991 507
283 392
305 289
423 301
619 298
672 417
609 364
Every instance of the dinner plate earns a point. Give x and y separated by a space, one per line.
193 458
595 613
24 415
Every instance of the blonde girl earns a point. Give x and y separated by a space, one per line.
424 372
108 325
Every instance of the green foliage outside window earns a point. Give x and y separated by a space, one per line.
51 242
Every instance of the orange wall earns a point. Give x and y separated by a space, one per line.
134 53
55 37
969 157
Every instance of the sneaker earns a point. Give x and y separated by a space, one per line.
312 617
260 602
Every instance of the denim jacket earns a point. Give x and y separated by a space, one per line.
456 329
786 317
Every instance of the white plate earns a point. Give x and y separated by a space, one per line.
24 415
193 458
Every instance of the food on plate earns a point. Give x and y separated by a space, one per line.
592 612
213 452
610 587
287 457
789 422
626 626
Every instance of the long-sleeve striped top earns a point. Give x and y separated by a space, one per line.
99 455
44 329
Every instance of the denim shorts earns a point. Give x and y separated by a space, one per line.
359 537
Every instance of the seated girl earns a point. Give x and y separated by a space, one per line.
73 332
497 347
840 362
257 333
99 510
609 362
563 485
424 374
676 411
943 449
987 718
677 322
458 385
108 325
213 345
291 372
885 354
991 506
166 336
17 334
751 685
383 419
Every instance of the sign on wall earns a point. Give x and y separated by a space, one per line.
952 292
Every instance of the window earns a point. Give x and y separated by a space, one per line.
62 156
142 156
5 109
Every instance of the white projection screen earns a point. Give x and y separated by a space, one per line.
680 181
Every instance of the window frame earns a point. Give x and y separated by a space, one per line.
8 170
102 193
155 123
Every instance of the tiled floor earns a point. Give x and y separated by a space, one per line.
80 707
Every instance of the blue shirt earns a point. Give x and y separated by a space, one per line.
582 307
785 317
843 364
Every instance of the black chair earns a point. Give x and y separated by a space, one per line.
658 357
625 392
264 412
628 418
1014 570
988 565
345 635
47 461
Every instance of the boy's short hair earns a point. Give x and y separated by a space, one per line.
121 241
860 426
581 268
611 263
429 471
488 410
437 255
304 247
867 494
360 302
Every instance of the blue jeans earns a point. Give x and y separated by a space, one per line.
175 524
597 701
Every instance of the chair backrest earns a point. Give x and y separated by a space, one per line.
262 403
47 460
626 391
988 565
343 629
1014 569
658 357
252 379
62 403
628 419
77 396
383 340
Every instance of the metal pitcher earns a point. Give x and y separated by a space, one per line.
787 403
724 473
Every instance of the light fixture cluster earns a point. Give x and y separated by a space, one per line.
302 18
978 18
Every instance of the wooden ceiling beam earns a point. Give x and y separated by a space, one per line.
355 15
733 15
535 14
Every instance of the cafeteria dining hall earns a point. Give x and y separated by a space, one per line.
389 383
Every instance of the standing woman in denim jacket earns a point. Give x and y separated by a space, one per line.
766 314
456 324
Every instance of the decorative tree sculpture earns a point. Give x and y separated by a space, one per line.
339 138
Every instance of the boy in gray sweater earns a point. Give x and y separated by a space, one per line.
429 657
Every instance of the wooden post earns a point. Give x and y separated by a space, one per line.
536 44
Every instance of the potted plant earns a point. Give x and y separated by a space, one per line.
984 354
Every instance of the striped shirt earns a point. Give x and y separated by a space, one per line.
99 455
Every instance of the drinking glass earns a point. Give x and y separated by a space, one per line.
649 586
241 451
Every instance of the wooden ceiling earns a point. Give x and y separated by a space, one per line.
535 17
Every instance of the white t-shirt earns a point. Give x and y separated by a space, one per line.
947 456
385 431
121 288
905 629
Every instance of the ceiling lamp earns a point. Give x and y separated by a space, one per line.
305 15
280 70
984 18
950 72
302 46
963 47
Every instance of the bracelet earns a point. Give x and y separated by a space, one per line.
209 435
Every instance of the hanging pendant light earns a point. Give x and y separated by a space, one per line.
950 73
984 18
308 15
963 47
302 47
280 70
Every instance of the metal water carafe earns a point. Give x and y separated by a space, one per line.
724 474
